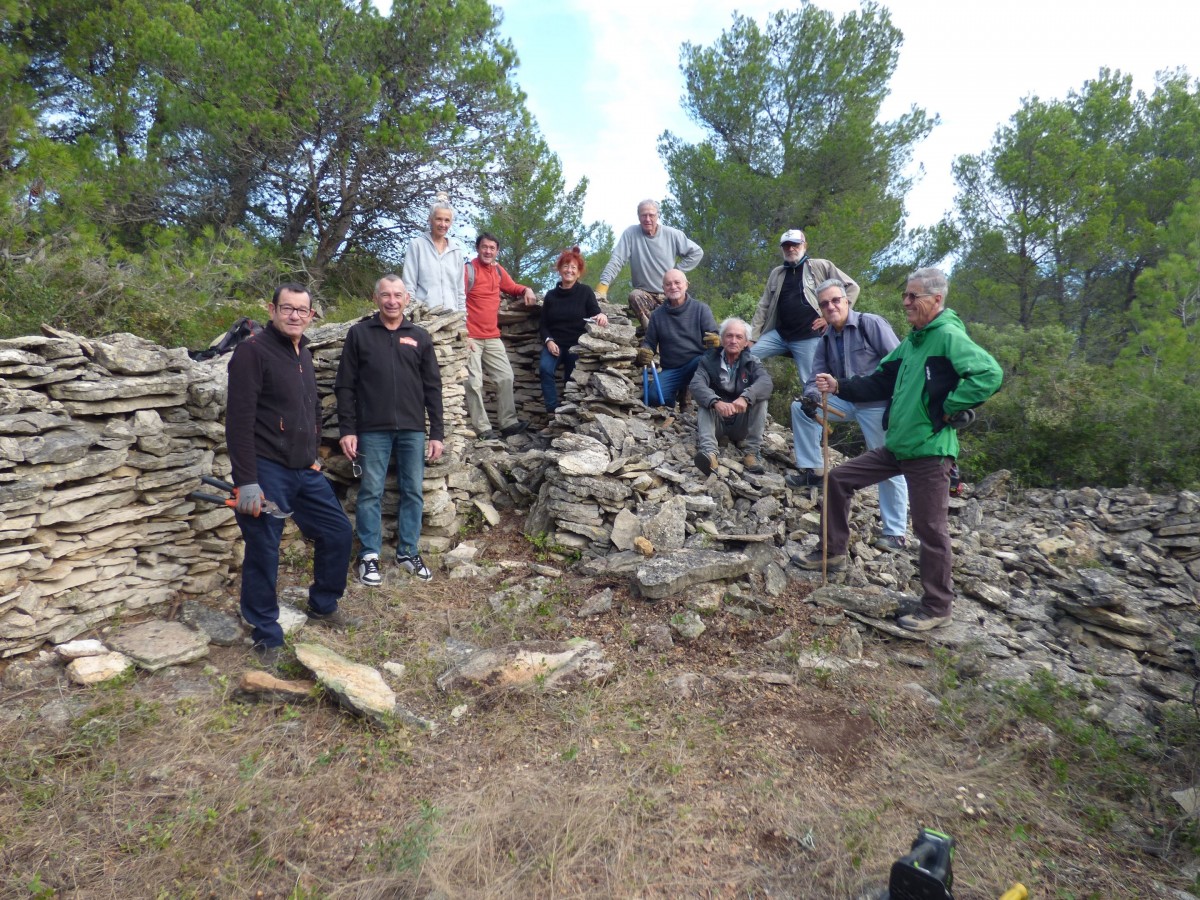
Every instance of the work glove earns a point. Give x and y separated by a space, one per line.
602 292
644 357
249 499
961 419
809 406
712 340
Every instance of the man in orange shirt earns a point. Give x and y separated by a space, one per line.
485 279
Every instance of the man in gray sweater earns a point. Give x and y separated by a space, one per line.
650 248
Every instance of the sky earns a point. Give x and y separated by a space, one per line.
603 78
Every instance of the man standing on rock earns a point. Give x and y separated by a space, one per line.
485 279
731 389
932 383
387 381
273 430
788 319
650 248
853 344
680 330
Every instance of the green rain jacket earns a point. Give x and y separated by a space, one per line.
935 372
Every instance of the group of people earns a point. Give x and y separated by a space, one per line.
910 397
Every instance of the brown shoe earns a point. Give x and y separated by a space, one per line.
336 619
751 464
922 621
706 462
812 561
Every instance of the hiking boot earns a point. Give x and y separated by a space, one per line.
751 464
414 565
515 428
336 619
802 479
922 621
892 543
706 462
268 657
490 435
813 561
368 571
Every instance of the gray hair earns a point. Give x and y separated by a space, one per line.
390 277
734 320
831 282
933 281
442 201
647 202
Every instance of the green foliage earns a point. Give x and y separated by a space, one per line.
409 849
1061 421
792 110
1065 209
528 207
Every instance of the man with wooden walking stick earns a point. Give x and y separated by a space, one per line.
932 382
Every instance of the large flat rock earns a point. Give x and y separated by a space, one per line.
547 664
671 573
155 645
356 687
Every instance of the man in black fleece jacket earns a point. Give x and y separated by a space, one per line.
272 430
387 380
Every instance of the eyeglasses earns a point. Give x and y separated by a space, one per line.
909 295
791 244
298 311
826 304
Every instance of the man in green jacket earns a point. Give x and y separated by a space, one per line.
932 382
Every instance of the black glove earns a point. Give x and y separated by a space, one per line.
644 357
809 406
964 418
712 340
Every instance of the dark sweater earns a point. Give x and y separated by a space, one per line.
388 379
677 332
272 409
563 312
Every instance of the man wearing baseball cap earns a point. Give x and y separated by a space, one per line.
788 318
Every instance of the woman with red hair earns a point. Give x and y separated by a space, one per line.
565 312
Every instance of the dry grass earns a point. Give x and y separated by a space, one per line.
165 786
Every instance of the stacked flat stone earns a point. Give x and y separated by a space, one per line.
100 441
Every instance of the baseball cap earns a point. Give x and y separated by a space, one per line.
792 236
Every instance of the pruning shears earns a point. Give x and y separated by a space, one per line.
647 371
268 506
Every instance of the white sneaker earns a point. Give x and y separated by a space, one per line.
414 565
368 571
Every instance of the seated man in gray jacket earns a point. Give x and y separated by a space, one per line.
853 344
731 389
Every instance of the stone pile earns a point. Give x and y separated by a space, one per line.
100 441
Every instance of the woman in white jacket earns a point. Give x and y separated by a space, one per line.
433 263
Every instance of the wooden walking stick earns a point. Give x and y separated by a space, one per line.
825 489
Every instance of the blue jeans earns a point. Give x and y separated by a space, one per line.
375 449
771 344
806 441
673 381
321 519
547 366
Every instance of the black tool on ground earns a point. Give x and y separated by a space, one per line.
925 872
268 506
